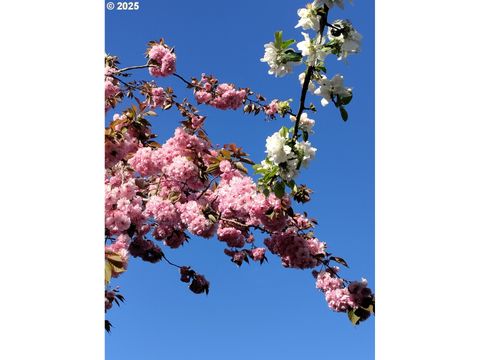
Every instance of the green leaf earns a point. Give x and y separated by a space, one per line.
339 260
115 260
258 169
241 167
287 43
346 99
212 167
354 318
118 270
278 39
305 135
108 272
247 161
108 326
279 189
291 55
284 131
291 184
344 113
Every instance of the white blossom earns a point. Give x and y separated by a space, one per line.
288 170
273 57
313 49
305 123
277 149
346 36
330 88
311 85
285 159
308 18
307 150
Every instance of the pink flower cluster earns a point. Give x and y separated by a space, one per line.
296 250
176 205
232 236
175 160
120 247
238 201
157 97
325 281
272 108
116 150
338 297
258 254
168 223
163 59
146 161
110 89
223 96
191 214
123 207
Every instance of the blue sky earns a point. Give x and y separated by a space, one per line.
255 312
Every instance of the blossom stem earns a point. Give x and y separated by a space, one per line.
169 262
306 82
134 67
308 76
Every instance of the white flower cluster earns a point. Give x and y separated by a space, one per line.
330 88
274 58
345 37
305 123
313 49
327 89
288 159
311 85
308 18
343 40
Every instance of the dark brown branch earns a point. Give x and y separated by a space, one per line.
308 76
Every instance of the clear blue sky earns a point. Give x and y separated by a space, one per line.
252 312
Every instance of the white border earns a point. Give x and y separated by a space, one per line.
427 180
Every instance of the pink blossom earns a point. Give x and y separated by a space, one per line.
232 236
192 217
110 71
145 161
163 211
120 247
197 121
203 96
175 240
158 97
122 206
223 96
228 98
296 250
272 108
258 254
325 281
110 89
225 166
184 171
339 299
164 61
